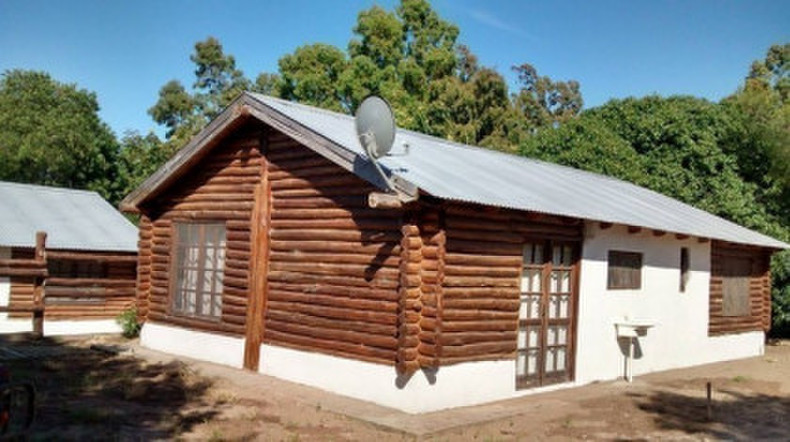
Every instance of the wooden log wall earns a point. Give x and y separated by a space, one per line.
95 296
22 286
333 280
759 317
219 188
482 272
144 266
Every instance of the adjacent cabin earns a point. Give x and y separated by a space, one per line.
493 276
68 261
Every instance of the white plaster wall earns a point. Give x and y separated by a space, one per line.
680 337
220 349
79 327
458 385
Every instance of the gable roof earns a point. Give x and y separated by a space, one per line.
458 172
72 219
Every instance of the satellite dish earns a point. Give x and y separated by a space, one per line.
375 126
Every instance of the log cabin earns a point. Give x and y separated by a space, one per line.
68 261
261 246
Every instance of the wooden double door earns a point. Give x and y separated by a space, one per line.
546 325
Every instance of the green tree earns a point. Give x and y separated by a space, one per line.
139 157
544 101
51 134
217 82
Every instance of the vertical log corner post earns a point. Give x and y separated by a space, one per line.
421 278
259 262
38 285
409 305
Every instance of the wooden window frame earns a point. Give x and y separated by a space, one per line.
732 282
634 281
685 268
176 267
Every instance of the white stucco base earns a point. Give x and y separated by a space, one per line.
220 349
680 335
61 327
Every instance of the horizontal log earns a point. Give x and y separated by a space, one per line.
21 308
198 324
301 163
332 213
78 256
362 236
480 326
342 349
341 247
509 305
337 290
333 301
500 236
483 348
306 172
483 248
473 337
478 281
24 272
449 314
390 223
23 263
300 256
351 270
344 179
333 312
90 282
343 191
481 292
466 270
320 323
222 189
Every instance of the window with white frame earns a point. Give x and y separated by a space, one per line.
199 269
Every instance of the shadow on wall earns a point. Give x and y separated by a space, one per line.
86 394
735 415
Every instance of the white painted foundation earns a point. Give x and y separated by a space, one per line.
220 349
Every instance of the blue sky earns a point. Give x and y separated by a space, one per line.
126 50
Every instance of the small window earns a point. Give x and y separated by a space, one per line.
199 269
625 270
736 273
684 268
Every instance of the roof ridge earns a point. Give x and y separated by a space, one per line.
48 188
451 143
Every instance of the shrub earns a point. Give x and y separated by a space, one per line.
128 322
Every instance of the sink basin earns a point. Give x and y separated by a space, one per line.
631 328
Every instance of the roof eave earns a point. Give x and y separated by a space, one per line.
243 107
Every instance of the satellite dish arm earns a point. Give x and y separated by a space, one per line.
369 142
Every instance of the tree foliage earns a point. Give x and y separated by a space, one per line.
51 134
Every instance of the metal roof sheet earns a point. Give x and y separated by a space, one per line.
469 174
73 219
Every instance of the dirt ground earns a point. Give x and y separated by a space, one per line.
87 390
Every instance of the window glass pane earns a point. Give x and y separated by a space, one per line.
521 364
625 270
522 339
200 258
561 359
567 256
532 362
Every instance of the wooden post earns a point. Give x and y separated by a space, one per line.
38 285
259 266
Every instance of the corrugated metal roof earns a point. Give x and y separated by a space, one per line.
464 173
73 219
